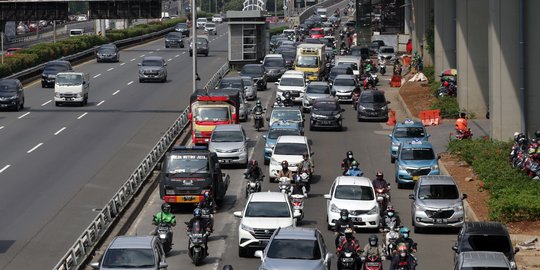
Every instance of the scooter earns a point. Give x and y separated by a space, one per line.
165 235
347 260
382 66
196 247
285 185
383 197
297 201
253 185
372 262
259 120
390 238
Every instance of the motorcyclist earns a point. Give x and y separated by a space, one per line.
254 171
197 216
165 216
298 188
287 101
354 170
461 123
306 163
379 181
372 248
258 110
390 218
347 161
285 172
208 203
349 243
342 224
404 238
403 260
369 82
279 102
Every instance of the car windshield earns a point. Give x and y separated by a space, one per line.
372 98
69 79
325 106
129 258
438 192
227 136
409 132
55 66
267 209
344 82
354 192
307 61
484 268
212 114
497 243
201 20
290 149
275 133
294 249
288 54
417 154
291 81
338 71
152 63
247 81
106 50
318 89
174 35
256 70
230 84
207 25
273 62
187 163
387 50
181 25
294 116
8 86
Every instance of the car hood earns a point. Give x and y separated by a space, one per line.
439 204
225 145
326 113
291 88
404 140
267 222
373 105
118 268
418 163
354 204
343 88
290 264
173 38
50 72
274 68
251 75
150 68
292 160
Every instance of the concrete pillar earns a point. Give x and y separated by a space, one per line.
532 69
407 17
472 55
422 13
445 34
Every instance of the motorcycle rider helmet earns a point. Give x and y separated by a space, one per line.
258 102
197 212
344 214
287 94
379 175
373 240
349 233
402 250
404 232
284 164
227 267
278 99
349 154
390 211
445 84
516 136
254 163
165 207
354 164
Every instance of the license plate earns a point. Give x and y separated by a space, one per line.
342 97
326 122
225 160
357 219
440 220
188 198
372 264
415 178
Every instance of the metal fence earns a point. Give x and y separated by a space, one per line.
86 243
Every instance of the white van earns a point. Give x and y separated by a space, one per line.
76 32
356 62
71 87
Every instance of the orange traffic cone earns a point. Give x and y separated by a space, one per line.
391 118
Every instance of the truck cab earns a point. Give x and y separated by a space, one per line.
311 59
71 87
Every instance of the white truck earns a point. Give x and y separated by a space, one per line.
71 87
322 12
355 60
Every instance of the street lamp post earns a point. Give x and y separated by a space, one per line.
194 42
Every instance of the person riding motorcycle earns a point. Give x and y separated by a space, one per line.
461 123
403 259
287 101
390 218
306 163
342 224
347 162
372 248
379 181
197 216
165 216
208 203
298 188
279 102
285 172
404 238
349 243
254 171
354 170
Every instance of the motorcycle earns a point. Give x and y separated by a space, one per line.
347 260
305 179
382 66
253 185
258 120
297 201
285 185
383 197
390 238
196 246
372 262
165 235
463 135
209 215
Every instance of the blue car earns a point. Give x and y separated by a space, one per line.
414 159
404 132
277 129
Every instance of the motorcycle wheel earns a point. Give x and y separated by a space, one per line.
167 246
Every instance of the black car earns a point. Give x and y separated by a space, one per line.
372 105
235 82
174 39
257 74
360 51
339 70
274 67
289 56
183 29
11 94
326 113
203 46
48 76
374 46
107 52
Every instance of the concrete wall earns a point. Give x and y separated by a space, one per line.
472 55
445 34
422 11
532 69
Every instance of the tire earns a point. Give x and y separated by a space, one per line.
141 80
243 252
43 85
310 128
206 55
22 105
190 54
266 162
166 46
182 46
392 159
57 103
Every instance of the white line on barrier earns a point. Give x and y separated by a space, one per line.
1 127
97 75
82 115
178 55
5 168
129 83
34 148
170 59
132 59
47 102
101 102
110 69
158 50
24 115
122 64
116 92
60 130
143 55
184 53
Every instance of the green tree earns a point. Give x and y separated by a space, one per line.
234 5
78 7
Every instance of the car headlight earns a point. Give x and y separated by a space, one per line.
374 210
246 228
396 144
435 167
57 95
337 115
198 133
51 76
384 108
420 207
78 95
360 107
274 162
141 71
12 97
458 207
402 168
334 208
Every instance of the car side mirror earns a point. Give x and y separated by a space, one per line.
238 214
328 256
327 196
388 102
411 196
276 83
438 156
163 265
464 196
94 265
139 64
454 248
342 110
312 153
390 136
516 250
429 135
264 137
258 254
165 64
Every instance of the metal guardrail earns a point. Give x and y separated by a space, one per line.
87 241
309 11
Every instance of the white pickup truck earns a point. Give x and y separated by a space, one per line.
71 87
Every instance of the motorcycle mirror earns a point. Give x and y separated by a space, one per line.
411 196
454 248
163 265
516 249
438 156
237 214
258 254
264 137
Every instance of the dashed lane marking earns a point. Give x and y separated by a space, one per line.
60 130
82 115
5 168
110 69
47 102
101 102
97 75
129 83
116 92
23 115
34 148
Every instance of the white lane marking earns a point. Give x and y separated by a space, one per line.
82 115
116 92
34 148
97 75
110 69
122 64
143 55
184 53
132 59
49 101
129 83
5 168
151 52
170 59
1 127
178 55
24 115
60 130
101 102
158 50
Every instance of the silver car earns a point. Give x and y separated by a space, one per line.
315 90
387 52
210 28
295 248
343 87
153 68
482 260
251 91
244 107
133 252
230 144
437 202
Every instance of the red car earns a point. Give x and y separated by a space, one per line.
11 51
316 32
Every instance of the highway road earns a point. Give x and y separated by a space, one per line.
60 164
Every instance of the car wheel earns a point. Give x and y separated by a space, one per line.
22 104
392 159
17 107
182 46
206 54
310 128
190 54
57 103
141 80
164 79
266 162
43 85
243 252
166 46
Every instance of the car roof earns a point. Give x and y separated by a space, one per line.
417 144
318 83
484 259
127 241
292 139
296 233
296 109
268 197
345 76
409 123
285 125
235 127
353 181
485 227
153 58
437 180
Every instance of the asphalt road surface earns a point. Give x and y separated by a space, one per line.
59 164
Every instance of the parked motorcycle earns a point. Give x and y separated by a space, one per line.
165 235
372 262
196 246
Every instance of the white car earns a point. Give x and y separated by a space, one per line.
217 18
355 194
201 22
263 214
210 28
289 148
294 82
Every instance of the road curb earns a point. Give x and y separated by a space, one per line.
404 105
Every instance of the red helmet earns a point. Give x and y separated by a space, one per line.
445 84
285 163
254 162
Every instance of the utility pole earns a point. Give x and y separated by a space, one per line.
194 42
2 44
54 31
